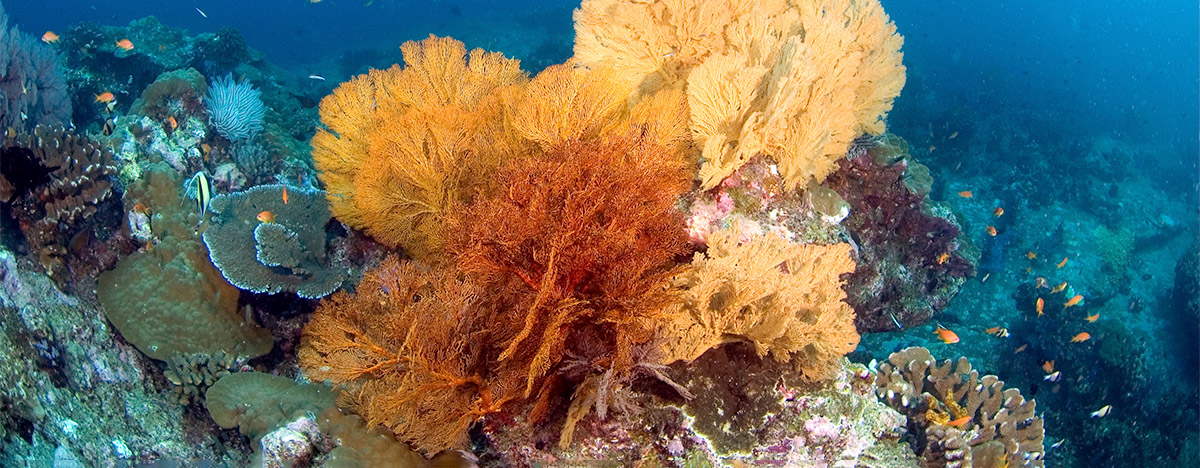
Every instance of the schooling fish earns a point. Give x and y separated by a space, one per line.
105 97
1031 255
1048 366
1041 304
1081 337
125 44
1058 288
966 194
960 421
1062 263
998 212
49 37
943 257
266 217
991 230
946 335
285 195
1092 318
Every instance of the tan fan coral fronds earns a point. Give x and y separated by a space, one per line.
795 80
786 299
565 103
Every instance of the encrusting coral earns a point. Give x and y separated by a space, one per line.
795 80
983 424
785 299
400 145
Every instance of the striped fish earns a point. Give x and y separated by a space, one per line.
200 188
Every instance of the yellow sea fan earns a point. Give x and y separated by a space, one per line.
564 103
786 299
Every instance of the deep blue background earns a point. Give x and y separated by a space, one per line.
1126 68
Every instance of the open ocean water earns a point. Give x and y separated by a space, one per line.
642 234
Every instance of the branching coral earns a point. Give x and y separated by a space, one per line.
56 182
1001 429
784 298
400 145
410 349
797 81
594 244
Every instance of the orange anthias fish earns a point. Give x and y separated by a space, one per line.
266 217
991 230
943 257
992 331
946 335
171 122
1080 338
966 194
125 44
1058 288
998 212
105 97
1031 255
1041 283
960 421
1062 263
1092 318
1041 304
1021 348
1048 366
1073 301
953 135
285 195
49 37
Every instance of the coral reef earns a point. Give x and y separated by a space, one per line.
286 252
169 300
32 89
784 298
957 418
235 108
177 94
59 186
911 258
754 83
399 146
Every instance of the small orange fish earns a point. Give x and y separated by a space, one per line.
171 122
1041 283
960 421
992 331
966 194
1048 366
285 195
1041 304
105 97
946 335
1092 318
998 212
991 230
1029 269
1073 301
1062 263
953 136
943 257
140 208
1058 288
266 217
125 44
205 148
49 37
1031 255
1021 348
1080 338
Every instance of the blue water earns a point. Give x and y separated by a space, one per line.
1009 99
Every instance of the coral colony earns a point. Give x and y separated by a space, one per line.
659 253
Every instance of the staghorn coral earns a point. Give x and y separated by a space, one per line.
56 183
797 81
400 145
785 299
410 348
1003 429
286 254
32 89
594 247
